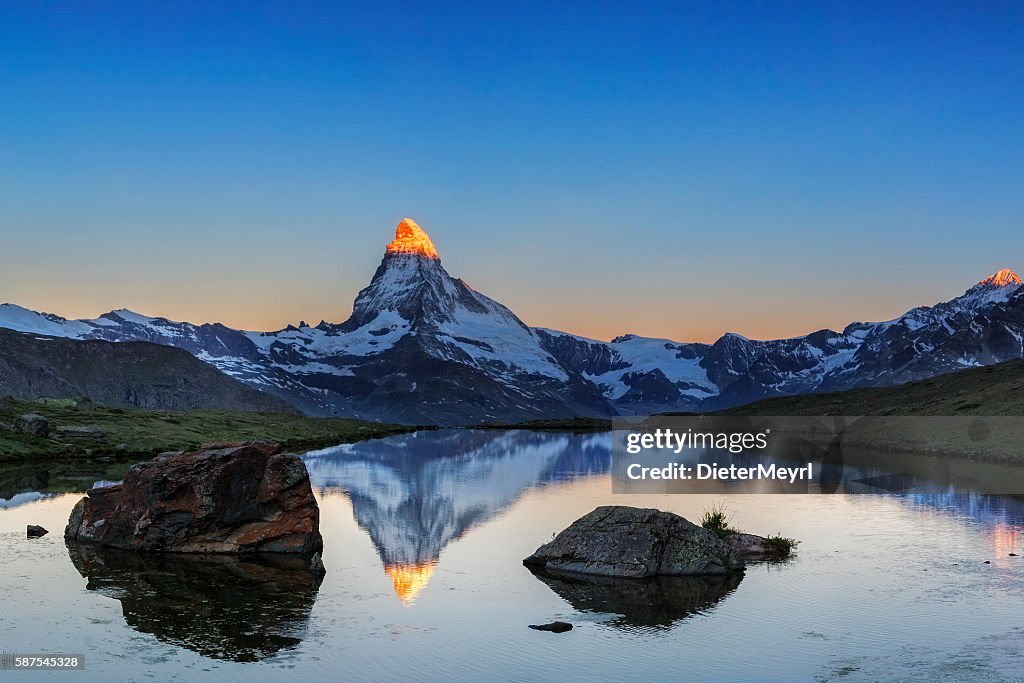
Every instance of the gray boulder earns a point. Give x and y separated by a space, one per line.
33 424
630 542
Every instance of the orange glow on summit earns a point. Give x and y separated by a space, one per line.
410 579
1003 278
410 239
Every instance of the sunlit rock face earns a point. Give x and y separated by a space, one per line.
417 493
410 239
229 498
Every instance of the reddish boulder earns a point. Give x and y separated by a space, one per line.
236 498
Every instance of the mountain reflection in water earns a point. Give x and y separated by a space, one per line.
240 608
414 494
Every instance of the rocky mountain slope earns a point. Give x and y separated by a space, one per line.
424 347
134 374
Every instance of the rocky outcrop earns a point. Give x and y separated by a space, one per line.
35 531
754 547
33 425
636 543
238 498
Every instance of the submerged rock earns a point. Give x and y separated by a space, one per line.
238 498
33 424
554 627
633 542
35 531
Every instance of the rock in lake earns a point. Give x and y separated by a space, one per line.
35 531
554 627
753 547
33 424
636 543
238 498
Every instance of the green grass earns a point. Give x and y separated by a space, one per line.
780 543
135 433
719 520
990 391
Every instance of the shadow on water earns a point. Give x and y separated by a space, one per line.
239 608
658 602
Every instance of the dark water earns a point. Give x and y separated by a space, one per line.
424 540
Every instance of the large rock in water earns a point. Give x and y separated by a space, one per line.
235 498
636 543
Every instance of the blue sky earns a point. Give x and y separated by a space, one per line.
675 170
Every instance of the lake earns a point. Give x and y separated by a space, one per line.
424 539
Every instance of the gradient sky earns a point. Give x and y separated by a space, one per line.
676 170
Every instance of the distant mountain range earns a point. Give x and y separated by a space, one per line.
424 347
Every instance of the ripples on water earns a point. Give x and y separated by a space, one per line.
424 539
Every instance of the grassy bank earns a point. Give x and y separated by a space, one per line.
990 391
142 433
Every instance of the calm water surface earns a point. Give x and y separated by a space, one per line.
424 539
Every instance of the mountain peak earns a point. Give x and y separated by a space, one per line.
1004 278
411 239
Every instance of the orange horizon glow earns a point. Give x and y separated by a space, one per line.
272 304
410 579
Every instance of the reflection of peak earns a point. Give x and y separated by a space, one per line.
414 494
411 239
410 579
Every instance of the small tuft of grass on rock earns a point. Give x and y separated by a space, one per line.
719 520
780 543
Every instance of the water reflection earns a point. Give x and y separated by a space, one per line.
659 602
415 494
22 483
240 608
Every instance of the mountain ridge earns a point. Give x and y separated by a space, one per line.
422 346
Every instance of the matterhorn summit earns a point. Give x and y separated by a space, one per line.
410 239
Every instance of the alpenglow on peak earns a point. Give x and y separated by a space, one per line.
410 239
1004 278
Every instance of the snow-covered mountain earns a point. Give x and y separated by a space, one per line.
985 325
424 347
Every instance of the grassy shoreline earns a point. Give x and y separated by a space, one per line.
141 434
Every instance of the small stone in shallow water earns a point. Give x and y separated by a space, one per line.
988 562
1013 554
34 531
554 627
